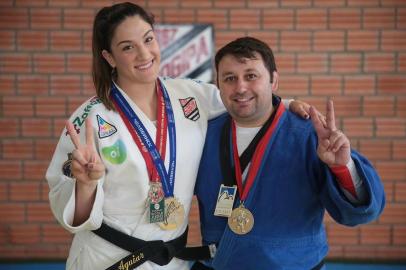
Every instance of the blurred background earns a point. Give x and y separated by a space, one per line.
351 50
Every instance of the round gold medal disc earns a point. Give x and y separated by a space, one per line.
174 214
241 220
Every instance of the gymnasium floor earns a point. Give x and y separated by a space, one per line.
330 266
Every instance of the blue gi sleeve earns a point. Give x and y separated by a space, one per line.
338 206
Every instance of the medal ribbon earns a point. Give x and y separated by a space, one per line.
256 158
161 135
245 158
154 155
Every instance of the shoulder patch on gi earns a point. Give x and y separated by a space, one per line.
116 154
105 128
190 109
79 120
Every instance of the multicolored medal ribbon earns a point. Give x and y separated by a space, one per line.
154 156
241 220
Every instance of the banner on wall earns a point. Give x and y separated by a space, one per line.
186 50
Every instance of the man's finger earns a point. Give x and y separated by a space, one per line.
314 116
72 134
334 136
338 143
338 139
325 143
331 122
322 119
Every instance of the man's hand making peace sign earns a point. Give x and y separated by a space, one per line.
333 147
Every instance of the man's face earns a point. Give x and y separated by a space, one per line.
246 89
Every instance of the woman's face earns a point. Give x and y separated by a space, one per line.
134 52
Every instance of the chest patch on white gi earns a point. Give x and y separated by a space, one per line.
105 129
190 109
116 154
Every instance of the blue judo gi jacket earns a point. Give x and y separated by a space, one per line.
288 198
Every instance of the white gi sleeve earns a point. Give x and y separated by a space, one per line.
214 104
62 187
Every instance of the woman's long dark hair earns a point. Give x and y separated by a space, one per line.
104 26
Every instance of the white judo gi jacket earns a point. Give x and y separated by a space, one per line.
122 193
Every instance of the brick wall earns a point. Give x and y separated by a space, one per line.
353 50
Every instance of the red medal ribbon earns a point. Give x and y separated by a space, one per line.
160 138
256 158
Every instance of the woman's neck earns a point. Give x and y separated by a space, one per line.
144 95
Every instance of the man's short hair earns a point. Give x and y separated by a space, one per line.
246 47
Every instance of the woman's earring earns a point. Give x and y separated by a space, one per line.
113 72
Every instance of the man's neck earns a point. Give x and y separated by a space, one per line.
253 123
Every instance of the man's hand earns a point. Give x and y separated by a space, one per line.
334 147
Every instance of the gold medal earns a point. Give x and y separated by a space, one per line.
174 214
241 220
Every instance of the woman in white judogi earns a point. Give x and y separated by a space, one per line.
98 173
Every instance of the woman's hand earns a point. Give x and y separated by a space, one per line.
86 164
87 168
302 109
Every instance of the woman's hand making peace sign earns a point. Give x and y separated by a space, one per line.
86 164
333 147
87 168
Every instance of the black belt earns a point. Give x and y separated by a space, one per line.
158 251
200 266
197 253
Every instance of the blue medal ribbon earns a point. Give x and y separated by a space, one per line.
167 177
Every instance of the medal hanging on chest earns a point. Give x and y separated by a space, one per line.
156 202
241 220
225 201
160 196
174 214
156 195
